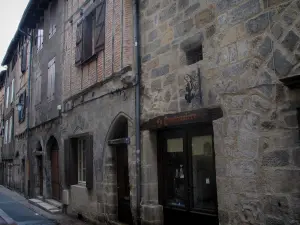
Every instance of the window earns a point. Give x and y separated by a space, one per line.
6 132
10 129
24 59
194 55
14 61
22 113
7 96
188 170
38 83
81 160
51 79
52 28
90 34
12 90
39 37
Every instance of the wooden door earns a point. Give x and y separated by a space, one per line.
124 211
55 175
40 171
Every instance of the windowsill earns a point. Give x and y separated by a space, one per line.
79 185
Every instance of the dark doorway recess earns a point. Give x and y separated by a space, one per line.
187 178
40 177
53 151
121 132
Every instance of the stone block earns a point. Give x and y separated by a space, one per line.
156 85
152 213
248 144
182 4
147 24
160 71
274 221
270 3
259 104
152 35
244 11
281 65
146 58
296 157
289 16
267 125
266 47
282 181
152 64
183 28
210 31
163 49
192 42
229 36
233 55
168 36
226 4
223 217
291 120
295 205
290 41
277 31
153 9
250 121
191 9
235 70
167 13
173 106
244 185
243 49
243 168
151 47
277 206
204 17
276 158
258 24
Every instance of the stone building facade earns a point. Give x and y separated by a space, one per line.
98 106
244 49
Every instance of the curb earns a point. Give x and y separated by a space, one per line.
6 219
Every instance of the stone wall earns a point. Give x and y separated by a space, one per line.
247 47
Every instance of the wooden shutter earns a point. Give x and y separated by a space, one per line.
89 163
73 162
67 161
99 35
78 57
88 37
24 106
20 112
24 59
53 79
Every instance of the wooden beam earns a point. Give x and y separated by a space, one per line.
205 115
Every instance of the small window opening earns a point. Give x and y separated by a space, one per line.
194 55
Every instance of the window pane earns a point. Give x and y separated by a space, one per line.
204 185
175 172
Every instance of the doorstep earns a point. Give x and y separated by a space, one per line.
49 206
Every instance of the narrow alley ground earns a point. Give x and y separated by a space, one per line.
23 213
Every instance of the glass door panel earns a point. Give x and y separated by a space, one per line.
175 173
203 174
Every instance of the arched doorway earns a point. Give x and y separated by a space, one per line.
53 156
118 141
39 163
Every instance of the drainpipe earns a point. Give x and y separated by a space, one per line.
137 107
28 108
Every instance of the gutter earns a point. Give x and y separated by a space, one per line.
137 107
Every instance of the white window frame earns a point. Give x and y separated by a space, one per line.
51 80
10 129
40 38
7 97
12 90
81 162
6 132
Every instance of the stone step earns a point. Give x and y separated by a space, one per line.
39 197
45 206
53 202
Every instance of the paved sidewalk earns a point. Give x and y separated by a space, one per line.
58 218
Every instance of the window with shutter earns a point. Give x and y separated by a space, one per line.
12 90
10 129
7 96
22 101
99 34
88 37
6 132
52 28
78 57
51 79
24 59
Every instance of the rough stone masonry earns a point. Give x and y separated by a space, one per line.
248 45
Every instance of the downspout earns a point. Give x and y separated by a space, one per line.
137 107
28 112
